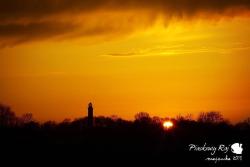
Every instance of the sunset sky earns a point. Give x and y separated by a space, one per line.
164 57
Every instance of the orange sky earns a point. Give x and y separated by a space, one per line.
127 60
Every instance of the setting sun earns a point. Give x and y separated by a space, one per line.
168 124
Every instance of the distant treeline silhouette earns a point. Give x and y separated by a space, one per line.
143 136
8 118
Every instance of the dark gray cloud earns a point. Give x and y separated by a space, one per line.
12 33
43 8
24 20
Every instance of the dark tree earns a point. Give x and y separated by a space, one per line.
210 117
142 116
26 118
7 117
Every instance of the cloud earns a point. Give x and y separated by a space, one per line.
43 8
180 49
13 33
162 51
28 20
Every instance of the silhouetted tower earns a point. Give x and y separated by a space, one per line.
90 115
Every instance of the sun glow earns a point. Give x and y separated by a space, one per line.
168 124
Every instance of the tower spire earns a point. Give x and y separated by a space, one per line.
90 115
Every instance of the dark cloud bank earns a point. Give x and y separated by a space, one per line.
26 20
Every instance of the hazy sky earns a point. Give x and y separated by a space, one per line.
164 57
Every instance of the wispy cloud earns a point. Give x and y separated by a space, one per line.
178 50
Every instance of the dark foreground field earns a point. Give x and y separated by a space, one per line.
142 140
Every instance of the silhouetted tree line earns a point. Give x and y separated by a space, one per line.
112 134
9 119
